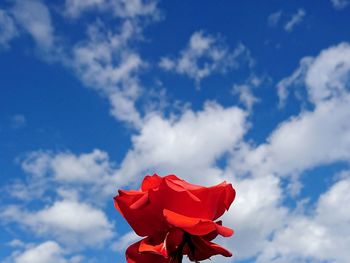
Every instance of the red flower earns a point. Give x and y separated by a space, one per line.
177 218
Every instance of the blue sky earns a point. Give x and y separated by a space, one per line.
96 94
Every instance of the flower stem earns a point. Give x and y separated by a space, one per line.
178 254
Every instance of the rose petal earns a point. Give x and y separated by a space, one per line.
202 202
134 256
151 182
215 200
195 226
144 217
155 245
173 239
143 209
203 249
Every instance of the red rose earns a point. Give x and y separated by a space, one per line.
177 218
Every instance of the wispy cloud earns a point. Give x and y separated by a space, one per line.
274 18
120 8
8 29
296 19
245 91
18 121
339 4
39 26
205 55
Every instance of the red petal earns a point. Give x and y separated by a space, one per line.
214 234
202 202
195 226
215 200
151 182
154 245
144 209
143 217
134 256
173 240
204 249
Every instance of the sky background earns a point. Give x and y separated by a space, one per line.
95 94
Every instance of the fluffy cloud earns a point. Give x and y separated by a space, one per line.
188 145
205 55
296 19
311 139
325 77
321 236
106 63
304 142
73 223
67 167
328 75
48 251
316 137
107 60
88 176
8 29
255 215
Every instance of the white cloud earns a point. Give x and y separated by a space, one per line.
120 8
325 77
328 75
188 145
39 26
296 19
315 137
274 18
74 8
205 55
131 8
311 139
255 214
339 4
67 167
48 251
88 176
75 224
106 63
8 29
106 60
321 236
